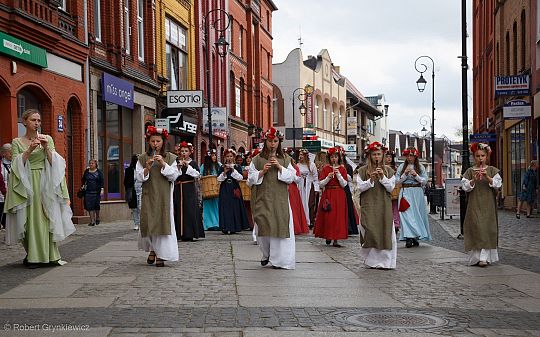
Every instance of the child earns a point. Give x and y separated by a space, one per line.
375 181
308 185
331 223
156 170
232 212
211 206
480 227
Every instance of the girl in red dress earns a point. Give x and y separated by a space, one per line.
297 207
332 215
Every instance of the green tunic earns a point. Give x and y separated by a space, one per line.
480 227
38 239
270 201
377 218
156 199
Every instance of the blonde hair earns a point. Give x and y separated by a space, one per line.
29 112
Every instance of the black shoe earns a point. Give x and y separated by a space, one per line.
328 242
91 224
264 262
409 243
25 261
518 216
416 243
97 222
33 265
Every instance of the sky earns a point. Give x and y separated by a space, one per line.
375 42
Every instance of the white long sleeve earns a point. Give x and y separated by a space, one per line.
287 174
191 172
253 176
314 177
497 181
342 181
169 172
467 186
322 183
388 183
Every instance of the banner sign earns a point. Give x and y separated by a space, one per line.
352 126
483 137
309 112
162 123
22 50
184 99
117 91
512 85
517 109
219 122
452 186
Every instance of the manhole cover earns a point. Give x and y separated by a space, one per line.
395 320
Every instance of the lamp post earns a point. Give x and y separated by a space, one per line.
302 96
421 84
220 24
334 128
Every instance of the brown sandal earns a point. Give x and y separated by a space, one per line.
160 262
151 258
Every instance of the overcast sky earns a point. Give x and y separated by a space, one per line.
375 42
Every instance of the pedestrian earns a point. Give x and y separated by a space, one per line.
332 223
413 216
481 225
37 201
352 215
232 211
308 185
375 181
529 189
131 192
269 174
187 215
5 168
390 160
92 180
211 167
156 170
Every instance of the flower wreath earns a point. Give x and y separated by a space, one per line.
412 151
152 131
480 146
273 133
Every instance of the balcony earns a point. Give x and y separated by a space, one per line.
48 11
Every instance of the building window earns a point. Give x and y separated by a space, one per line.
97 19
240 42
523 42
231 47
515 49
507 56
115 145
25 100
127 28
63 5
140 28
518 163
275 111
176 55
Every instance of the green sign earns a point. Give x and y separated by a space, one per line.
22 50
312 146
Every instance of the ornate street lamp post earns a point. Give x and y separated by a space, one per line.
303 95
220 24
336 124
421 84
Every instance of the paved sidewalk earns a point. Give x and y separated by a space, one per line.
219 289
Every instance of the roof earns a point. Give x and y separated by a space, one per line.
374 99
366 104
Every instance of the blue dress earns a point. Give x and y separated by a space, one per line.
210 208
414 221
232 211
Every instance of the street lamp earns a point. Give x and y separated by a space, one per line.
303 95
421 84
334 127
220 24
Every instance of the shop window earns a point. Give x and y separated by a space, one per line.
176 55
25 100
115 146
518 160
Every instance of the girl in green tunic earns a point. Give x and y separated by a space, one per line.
480 227
37 202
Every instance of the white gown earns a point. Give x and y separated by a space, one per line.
373 257
165 246
309 175
281 252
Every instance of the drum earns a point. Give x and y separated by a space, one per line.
246 190
395 193
209 187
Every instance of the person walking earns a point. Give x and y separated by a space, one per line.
308 185
352 215
131 192
211 167
37 200
529 189
232 211
269 174
187 214
375 181
412 206
481 224
93 180
332 216
156 170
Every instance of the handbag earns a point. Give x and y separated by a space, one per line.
81 192
326 206
237 193
403 205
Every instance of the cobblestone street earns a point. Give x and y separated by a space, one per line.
218 288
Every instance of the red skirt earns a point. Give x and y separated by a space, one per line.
332 225
299 216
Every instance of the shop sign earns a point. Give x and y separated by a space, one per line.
512 85
60 123
309 112
184 99
22 50
483 137
117 91
352 126
162 123
517 109
312 146
350 148
219 121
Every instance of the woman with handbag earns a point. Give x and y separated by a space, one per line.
131 192
412 206
92 180
332 216
375 181
232 211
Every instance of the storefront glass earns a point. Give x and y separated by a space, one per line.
518 159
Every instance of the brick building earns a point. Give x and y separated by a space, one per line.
123 90
43 53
